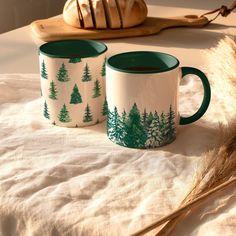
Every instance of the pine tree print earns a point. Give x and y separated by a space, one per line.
153 135
162 129
116 131
145 118
86 76
45 111
105 108
124 118
96 89
75 96
75 60
53 91
135 132
87 114
170 125
64 115
103 71
146 131
44 71
62 74
150 119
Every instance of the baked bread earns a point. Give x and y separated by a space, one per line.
71 14
112 13
101 14
85 9
133 12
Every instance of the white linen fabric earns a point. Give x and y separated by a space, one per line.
74 181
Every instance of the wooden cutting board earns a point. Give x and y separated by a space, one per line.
56 29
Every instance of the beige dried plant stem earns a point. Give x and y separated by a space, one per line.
229 178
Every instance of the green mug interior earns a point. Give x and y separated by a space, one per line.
73 49
142 62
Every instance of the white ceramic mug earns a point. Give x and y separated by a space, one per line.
72 82
142 93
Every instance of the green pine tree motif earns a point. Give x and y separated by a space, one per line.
86 75
153 134
53 91
103 70
44 71
170 125
62 74
75 96
149 119
124 118
45 111
105 107
116 130
109 120
134 129
87 114
96 89
75 60
162 129
64 115
145 119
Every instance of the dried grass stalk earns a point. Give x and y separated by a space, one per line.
219 166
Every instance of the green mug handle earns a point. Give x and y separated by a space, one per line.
206 97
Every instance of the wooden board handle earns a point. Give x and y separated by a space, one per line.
188 20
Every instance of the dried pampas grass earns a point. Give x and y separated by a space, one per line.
218 168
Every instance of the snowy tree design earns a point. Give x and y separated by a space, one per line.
153 133
45 111
150 119
62 74
75 60
105 108
86 75
116 131
162 128
53 91
87 114
141 131
44 71
170 125
103 70
96 89
145 118
64 115
75 96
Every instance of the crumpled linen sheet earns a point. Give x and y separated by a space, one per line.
65 181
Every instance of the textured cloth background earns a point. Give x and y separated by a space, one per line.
60 181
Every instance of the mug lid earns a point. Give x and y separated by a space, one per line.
73 49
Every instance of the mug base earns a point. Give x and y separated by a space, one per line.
144 147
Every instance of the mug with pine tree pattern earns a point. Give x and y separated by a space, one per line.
72 76
142 89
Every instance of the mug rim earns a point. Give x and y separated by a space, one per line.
134 53
43 49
